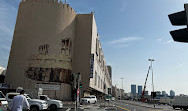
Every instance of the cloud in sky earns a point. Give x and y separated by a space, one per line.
125 40
160 40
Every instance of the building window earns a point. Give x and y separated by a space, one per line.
95 78
44 49
66 46
99 82
100 54
97 47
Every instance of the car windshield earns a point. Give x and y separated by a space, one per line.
48 97
28 97
1 95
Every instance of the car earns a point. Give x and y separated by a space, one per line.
113 98
35 104
3 102
52 103
89 99
107 99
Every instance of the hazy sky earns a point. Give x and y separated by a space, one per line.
131 31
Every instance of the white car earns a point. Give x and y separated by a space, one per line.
52 103
89 99
35 104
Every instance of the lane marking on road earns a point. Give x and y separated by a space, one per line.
123 108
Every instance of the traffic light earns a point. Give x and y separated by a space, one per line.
109 90
80 85
178 19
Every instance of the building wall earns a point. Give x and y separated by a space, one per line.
42 46
82 50
50 43
139 90
100 79
133 90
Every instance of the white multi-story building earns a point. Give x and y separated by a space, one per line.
50 43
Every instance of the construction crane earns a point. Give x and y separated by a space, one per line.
150 68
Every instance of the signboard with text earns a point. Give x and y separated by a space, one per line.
48 86
92 65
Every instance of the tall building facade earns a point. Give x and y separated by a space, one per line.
158 93
133 89
163 93
50 43
172 93
139 90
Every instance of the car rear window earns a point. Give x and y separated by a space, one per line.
86 97
11 96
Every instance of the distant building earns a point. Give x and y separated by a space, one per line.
2 69
163 93
146 93
158 93
133 89
114 91
139 90
2 74
172 93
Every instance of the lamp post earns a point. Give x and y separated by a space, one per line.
122 82
151 60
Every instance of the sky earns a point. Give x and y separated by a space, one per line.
131 32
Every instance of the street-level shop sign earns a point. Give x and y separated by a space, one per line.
48 86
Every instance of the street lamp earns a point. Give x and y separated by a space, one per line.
122 82
151 60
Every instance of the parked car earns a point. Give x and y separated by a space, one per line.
3 102
89 99
35 104
52 103
113 98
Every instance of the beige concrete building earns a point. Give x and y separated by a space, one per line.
50 43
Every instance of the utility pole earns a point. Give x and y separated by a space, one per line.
122 82
151 60
122 86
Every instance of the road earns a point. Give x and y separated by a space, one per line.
121 106
136 106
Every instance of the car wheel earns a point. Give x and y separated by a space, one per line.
53 107
34 108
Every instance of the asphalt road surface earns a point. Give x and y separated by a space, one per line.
123 106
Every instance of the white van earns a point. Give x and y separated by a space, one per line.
35 104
